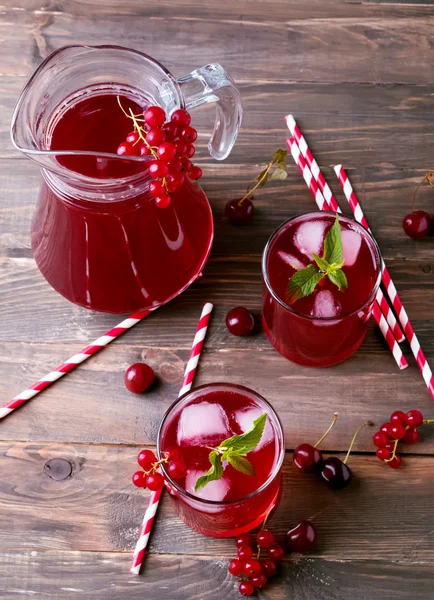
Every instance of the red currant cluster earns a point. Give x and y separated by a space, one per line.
171 145
419 224
150 477
258 570
401 427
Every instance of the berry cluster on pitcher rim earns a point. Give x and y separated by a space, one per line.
169 142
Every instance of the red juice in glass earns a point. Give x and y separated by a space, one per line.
110 248
201 420
327 326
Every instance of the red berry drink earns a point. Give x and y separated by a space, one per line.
108 246
328 325
201 420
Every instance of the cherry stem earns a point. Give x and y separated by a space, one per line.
251 189
272 507
335 418
370 423
393 452
428 421
429 179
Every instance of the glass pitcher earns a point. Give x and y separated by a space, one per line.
98 236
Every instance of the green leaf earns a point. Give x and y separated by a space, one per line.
336 266
280 156
333 250
214 473
246 442
279 173
338 278
241 464
321 262
262 177
303 283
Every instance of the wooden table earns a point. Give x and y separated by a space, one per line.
359 78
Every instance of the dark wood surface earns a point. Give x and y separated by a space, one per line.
358 77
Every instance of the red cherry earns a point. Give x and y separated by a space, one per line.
181 117
133 137
301 538
139 377
158 169
195 173
414 418
417 224
245 553
175 181
156 188
163 201
386 428
144 149
245 539
177 469
252 567
125 148
397 431
235 567
156 136
146 459
265 538
247 588
171 130
154 482
384 453
239 321
188 134
269 567
172 453
190 151
166 151
237 213
380 439
411 436
398 417
259 580
276 552
154 116
307 458
395 463
139 479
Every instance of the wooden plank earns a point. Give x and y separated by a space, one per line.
97 508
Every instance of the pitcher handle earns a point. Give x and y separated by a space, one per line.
212 84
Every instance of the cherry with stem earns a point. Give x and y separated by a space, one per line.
308 458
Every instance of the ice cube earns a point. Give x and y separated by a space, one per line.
214 490
351 241
309 237
245 418
290 260
325 305
202 424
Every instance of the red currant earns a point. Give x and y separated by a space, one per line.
158 169
259 580
166 151
186 164
146 459
154 116
301 538
380 439
276 552
307 458
384 453
156 188
386 428
417 224
188 134
195 173
398 431
175 166
181 117
414 418
177 469
163 201
190 151
139 479
265 538
237 213
411 436
175 181
252 567
395 463
154 482
239 321
125 148
172 453
247 588
245 539
139 377
269 567
144 149
133 137
245 553
235 567
181 148
171 130
156 136
398 417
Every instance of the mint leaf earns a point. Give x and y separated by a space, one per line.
279 173
338 278
321 262
333 250
280 156
248 441
336 266
241 464
215 471
303 283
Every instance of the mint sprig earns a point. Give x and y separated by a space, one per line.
304 281
234 450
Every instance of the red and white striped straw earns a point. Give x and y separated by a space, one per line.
390 286
73 362
322 205
332 203
187 382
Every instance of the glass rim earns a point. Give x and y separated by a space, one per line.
362 306
267 482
